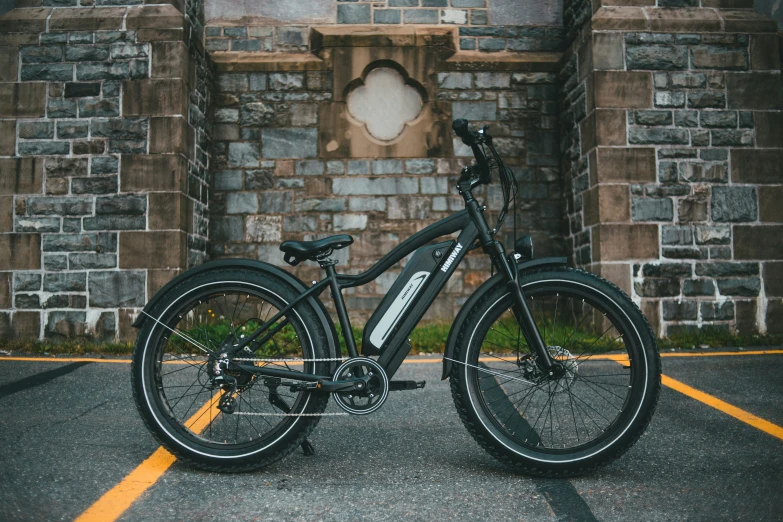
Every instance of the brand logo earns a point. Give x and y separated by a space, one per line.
451 258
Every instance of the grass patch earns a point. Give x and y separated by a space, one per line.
427 338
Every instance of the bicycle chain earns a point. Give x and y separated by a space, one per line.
291 360
257 414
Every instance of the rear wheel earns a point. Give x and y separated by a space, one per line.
173 377
567 422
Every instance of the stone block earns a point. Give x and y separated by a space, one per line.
6 214
65 282
726 137
774 313
23 100
492 80
286 81
746 287
623 89
169 60
769 128
375 186
454 80
773 279
408 208
652 117
607 51
367 204
757 165
420 16
150 172
242 203
764 242
168 135
121 128
317 204
698 287
387 166
618 242
629 165
260 229
170 211
475 111
387 16
163 16
301 223
735 204
686 20
103 71
97 19
666 99
169 248
706 100
658 136
606 204
657 287
154 97
603 127
656 57
679 310
243 154
275 202
757 90
725 59
652 209
354 14
771 204
693 209
289 143
342 222
117 289
21 175
764 52
713 235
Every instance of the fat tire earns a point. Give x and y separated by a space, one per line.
467 410
184 449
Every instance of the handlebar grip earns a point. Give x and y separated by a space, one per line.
461 129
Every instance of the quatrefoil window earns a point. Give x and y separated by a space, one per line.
384 103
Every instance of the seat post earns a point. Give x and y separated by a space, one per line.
339 304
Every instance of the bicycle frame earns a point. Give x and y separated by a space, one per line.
472 226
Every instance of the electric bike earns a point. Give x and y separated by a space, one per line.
553 370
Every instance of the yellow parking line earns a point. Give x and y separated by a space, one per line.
119 498
725 407
434 359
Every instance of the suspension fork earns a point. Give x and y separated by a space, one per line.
524 317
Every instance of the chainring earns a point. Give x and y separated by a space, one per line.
373 396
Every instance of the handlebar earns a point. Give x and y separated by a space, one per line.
473 139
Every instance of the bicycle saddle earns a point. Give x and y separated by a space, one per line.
298 251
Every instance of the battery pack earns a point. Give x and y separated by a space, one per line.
411 281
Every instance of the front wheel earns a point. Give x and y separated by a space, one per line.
571 421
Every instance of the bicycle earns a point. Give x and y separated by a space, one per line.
236 359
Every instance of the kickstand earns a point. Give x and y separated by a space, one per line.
307 448
276 400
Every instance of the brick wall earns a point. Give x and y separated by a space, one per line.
103 164
672 135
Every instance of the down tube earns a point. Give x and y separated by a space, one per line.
398 348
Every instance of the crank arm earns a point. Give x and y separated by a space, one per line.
357 385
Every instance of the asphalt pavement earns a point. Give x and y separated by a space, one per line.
69 433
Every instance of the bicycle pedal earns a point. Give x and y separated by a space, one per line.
406 385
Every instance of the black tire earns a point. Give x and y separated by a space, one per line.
593 412
168 369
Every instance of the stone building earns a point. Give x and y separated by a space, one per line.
139 138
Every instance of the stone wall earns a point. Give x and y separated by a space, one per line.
276 179
672 132
104 158
486 25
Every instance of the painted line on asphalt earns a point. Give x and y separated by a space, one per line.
39 378
407 361
119 498
729 409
